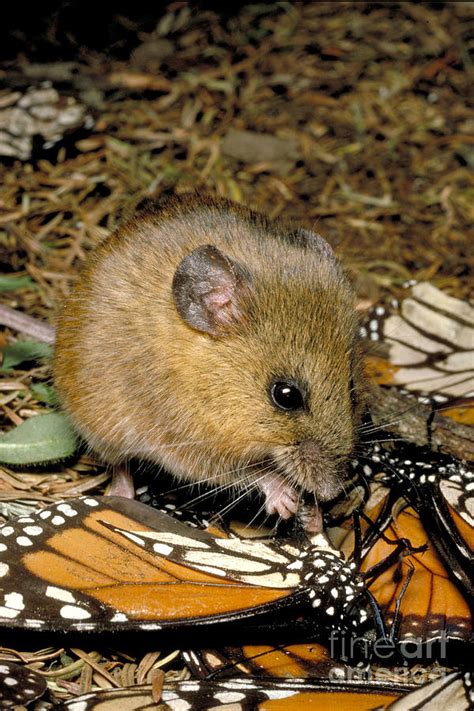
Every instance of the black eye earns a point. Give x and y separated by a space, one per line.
287 396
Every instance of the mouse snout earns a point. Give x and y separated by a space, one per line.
310 451
322 474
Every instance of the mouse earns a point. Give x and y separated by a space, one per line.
221 346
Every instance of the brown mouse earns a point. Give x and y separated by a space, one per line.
218 344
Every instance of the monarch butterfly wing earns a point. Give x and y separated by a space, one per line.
415 591
430 341
308 661
19 685
66 568
442 491
431 608
445 501
458 495
306 576
453 692
241 560
41 575
243 695
107 564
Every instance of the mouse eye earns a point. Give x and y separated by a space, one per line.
287 396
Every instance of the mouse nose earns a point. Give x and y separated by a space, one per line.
310 450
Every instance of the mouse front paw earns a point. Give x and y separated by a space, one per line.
280 498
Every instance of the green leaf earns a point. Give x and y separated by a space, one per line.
44 393
22 351
11 283
43 438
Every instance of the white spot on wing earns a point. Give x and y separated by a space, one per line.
33 530
174 703
162 548
58 520
229 697
15 601
24 541
131 536
4 568
280 693
297 565
319 540
77 706
320 563
72 612
34 623
119 617
67 510
59 594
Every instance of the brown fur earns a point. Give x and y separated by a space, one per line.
138 381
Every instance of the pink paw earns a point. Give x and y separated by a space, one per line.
280 498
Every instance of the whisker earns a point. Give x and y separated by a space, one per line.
396 417
206 495
222 488
232 503
214 477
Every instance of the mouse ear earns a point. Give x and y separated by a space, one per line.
206 289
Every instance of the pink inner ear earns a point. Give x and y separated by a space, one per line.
220 302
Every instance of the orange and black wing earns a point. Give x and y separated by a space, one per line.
307 661
452 692
20 686
415 591
114 564
418 597
243 695
441 490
